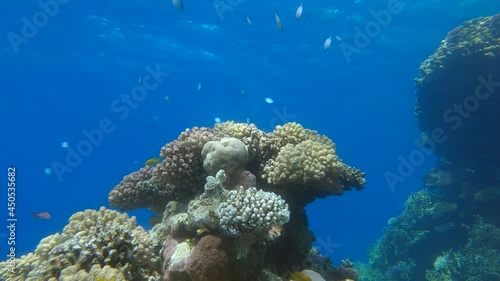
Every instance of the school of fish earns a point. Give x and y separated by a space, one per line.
298 14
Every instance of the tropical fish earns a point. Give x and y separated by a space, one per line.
278 21
151 162
299 276
327 43
178 4
42 215
298 13
315 276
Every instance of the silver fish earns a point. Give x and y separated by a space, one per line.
278 21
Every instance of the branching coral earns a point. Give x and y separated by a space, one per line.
308 162
252 210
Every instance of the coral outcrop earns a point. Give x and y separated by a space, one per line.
458 94
232 202
100 243
437 237
243 218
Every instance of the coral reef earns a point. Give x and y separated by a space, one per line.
200 152
457 94
100 243
232 202
240 221
422 230
478 260
437 237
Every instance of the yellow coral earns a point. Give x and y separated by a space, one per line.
305 163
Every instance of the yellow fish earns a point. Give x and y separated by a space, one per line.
102 279
299 276
151 162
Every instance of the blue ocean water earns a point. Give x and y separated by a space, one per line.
68 73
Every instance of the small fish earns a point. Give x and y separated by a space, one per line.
327 43
48 171
151 162
249 22
200 231
167 98
178 4
299 11
154 220
269 100
278 21
140 80
338 38
242 92
64 144
42 215
299 276
217 120
199 87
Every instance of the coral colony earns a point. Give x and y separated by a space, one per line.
232 203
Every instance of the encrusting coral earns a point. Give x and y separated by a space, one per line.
105 238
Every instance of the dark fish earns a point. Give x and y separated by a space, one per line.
445 227
154 220
178 4
42 215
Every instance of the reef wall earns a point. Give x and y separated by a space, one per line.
442 233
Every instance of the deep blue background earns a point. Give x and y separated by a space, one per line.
66 77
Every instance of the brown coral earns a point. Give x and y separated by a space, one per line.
183 163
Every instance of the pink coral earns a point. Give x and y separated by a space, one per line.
183 162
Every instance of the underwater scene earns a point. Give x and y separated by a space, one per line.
238 140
